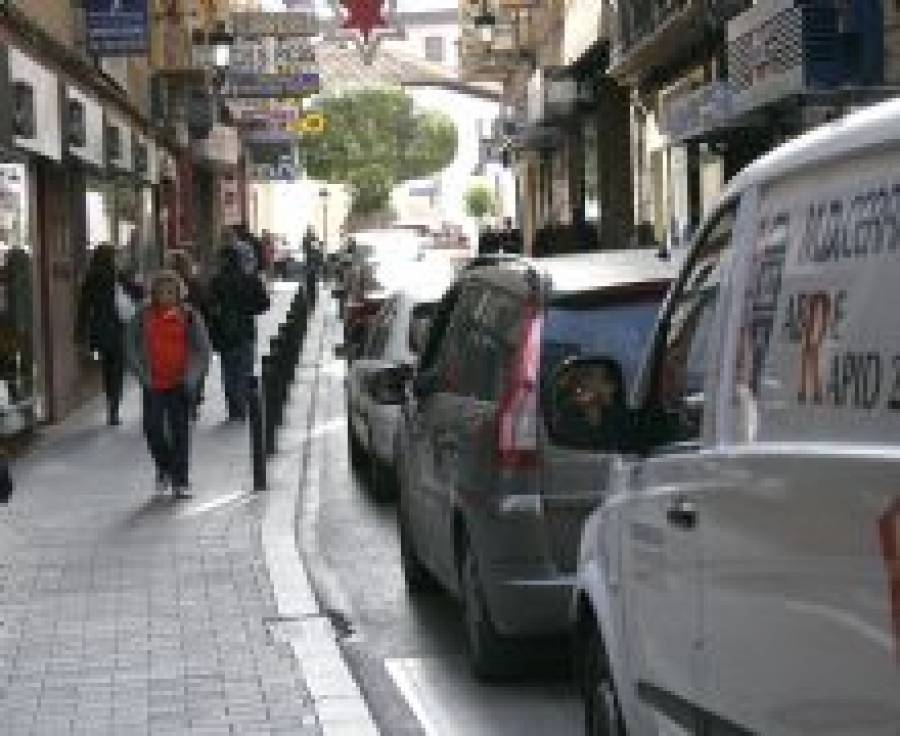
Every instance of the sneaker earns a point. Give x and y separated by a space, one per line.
162 483
180 492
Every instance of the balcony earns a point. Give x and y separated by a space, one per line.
652 34
510 43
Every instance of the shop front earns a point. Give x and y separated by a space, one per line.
30 156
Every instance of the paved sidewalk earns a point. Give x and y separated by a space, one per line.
126 613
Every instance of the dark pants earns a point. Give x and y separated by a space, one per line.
112 363
237 367
167 429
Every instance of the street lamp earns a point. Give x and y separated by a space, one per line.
221 41
485 23
324 194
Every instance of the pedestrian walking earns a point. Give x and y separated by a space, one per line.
168 347
235 299
100 323
180 262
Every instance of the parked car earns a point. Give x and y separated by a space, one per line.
493 485
396 336
744 577
380 264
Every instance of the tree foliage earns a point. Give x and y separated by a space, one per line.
479 201
375 141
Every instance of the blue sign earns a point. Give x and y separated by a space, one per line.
117 27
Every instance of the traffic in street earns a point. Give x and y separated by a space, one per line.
408 651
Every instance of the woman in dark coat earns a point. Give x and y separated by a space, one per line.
101 328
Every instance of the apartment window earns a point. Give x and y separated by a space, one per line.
434 49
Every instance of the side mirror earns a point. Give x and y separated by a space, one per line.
388 386
585 402
340 351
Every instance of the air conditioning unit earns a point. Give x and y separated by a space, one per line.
24 124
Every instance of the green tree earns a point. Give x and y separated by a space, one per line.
479 201
374 141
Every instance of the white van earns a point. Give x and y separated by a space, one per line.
744 577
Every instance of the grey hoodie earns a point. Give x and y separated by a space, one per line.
199 350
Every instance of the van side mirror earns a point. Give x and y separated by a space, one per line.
586 404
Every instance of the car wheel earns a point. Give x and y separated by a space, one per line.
417 577
602 713
486 648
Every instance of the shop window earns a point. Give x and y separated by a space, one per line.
18 406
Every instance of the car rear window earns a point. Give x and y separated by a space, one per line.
599 325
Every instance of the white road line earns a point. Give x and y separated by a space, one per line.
217 503
405 680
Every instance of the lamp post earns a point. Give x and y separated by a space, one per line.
485 23
324 194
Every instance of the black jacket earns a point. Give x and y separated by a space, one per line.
97 320
235 298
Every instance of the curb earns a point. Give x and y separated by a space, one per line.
339 703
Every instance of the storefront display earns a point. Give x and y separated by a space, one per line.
18 381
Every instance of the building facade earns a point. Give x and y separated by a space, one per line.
93 150
626 118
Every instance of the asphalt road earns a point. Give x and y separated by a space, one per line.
407 652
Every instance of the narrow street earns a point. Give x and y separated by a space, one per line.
408 653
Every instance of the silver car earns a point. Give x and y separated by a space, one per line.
498 466
390 350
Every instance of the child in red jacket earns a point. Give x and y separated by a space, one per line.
169 351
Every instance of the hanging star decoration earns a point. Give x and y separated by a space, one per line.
366 23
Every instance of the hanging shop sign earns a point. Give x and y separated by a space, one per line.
298 23
264 114
36 117
84 128
692 113
313 123
272 86
117 27
366 23
272 55
118 144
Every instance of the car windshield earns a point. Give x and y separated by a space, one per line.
614 328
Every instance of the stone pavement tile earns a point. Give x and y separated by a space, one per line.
124 613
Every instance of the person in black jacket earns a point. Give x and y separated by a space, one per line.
235 299
100 327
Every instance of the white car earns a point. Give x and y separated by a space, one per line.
744 576
395 336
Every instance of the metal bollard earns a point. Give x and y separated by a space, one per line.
257 451
269 399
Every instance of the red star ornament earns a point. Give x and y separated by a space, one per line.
364 16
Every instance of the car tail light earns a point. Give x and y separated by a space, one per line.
517 415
